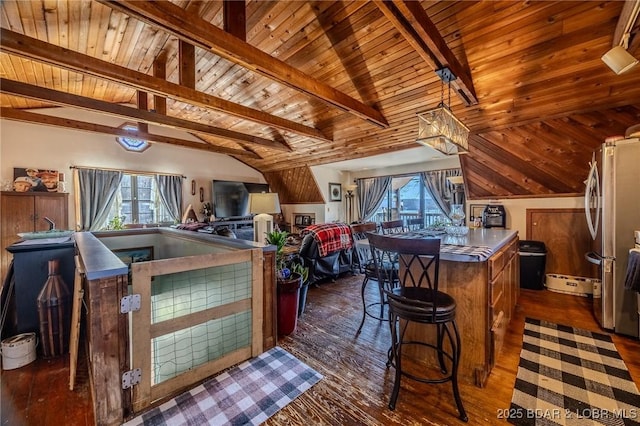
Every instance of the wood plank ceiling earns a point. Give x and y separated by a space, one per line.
323 81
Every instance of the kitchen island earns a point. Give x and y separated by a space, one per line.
481 272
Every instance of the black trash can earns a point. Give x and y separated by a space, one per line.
533 256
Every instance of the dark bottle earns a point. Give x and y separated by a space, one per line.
54 313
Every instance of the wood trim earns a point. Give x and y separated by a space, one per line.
160 71
178 22
235 18
31 48
626 21
30 117
186 64
516 197
411 20
68 99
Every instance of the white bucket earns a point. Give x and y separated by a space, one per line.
569 284
18 351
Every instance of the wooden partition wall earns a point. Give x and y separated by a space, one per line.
106 281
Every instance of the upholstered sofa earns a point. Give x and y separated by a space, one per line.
327 250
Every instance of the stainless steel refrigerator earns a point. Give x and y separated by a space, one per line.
612 207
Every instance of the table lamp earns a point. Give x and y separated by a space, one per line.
263 205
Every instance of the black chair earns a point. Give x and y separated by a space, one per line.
392 227
360 233
415 298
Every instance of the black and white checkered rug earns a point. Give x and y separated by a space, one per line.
569 376
247 394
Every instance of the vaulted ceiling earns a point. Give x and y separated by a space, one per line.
292 84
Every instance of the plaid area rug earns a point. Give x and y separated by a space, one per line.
569 376
248 394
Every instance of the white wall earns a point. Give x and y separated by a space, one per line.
333 210
515 208
31 145
445 163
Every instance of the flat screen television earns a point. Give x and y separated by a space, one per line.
231 198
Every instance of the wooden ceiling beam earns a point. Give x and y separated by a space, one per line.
47 120
186 64
67 99
235 18
628 17
31 48
180 23
411 20
142 102
160 71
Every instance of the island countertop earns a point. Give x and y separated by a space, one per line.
487 240
477 246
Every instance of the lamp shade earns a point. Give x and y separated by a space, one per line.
456 180
265 202
440 129
349 187
619 60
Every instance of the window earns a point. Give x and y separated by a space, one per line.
132 144
407 198
138 202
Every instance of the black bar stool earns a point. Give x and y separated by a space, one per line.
415 224
416 299
392 226
360 233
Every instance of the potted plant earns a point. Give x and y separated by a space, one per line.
290 277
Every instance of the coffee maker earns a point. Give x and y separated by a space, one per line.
494 216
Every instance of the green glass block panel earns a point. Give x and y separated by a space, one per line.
183 293
183 350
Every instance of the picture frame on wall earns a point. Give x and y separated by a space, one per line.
31 179
335 192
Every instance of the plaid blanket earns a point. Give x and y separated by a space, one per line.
330 237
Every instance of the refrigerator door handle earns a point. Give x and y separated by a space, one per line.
592 199
593 257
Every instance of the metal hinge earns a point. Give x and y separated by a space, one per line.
131 378
130 303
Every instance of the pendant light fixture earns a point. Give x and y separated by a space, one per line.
438 128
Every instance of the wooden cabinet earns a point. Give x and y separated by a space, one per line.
25 212
504 289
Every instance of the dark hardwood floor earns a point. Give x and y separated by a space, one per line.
356 383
